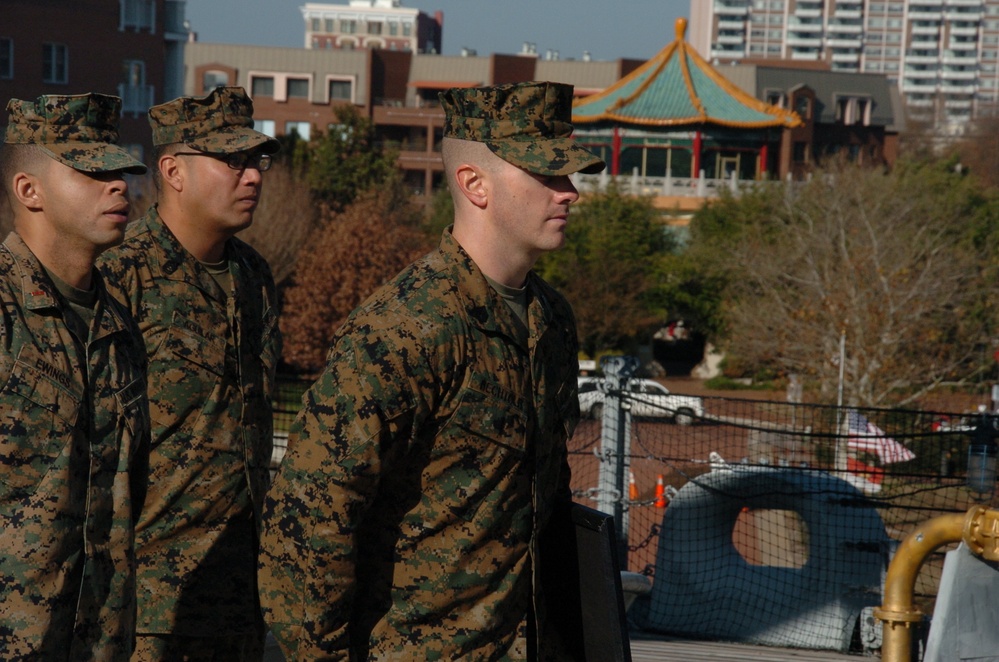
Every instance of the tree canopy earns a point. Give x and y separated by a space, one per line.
343 263
894 263
614 245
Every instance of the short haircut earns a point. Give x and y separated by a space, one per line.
158 152
15 158
455 152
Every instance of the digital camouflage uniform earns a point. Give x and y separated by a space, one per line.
427 461
74 428
212 361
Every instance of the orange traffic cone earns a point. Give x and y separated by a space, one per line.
632 487
660 493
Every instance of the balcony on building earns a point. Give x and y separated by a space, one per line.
922 57
953 14
845 56
925 13
731 39
794 40
962 75
843 42
960 89
919 87
848 14
919 101
924 42
963 47
976 4
925 29
935 4
727 54
959 58
957 103
804 54
845 28
959 30
728 24
796 25
722 9
802 12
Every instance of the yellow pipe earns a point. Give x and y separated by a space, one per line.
978 528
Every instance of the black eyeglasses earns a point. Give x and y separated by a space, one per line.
238 160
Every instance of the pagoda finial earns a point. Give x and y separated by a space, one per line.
681 29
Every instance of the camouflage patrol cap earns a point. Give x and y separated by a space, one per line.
526 124
220 123
79 131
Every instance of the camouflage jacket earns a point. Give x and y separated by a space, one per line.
212 360
74 437
426 461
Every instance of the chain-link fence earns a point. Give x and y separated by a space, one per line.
757 511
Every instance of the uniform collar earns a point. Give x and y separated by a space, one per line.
39 293
484 305
175 261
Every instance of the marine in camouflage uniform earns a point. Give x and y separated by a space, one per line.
74 426
213 343
430 455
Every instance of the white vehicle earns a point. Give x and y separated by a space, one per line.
647 398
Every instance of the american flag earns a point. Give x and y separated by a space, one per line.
862 435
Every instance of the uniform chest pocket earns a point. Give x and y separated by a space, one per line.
490 413
184 340
37 423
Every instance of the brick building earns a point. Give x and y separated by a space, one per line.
129 48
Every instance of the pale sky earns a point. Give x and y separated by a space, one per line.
608 29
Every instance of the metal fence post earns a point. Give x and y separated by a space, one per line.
615 446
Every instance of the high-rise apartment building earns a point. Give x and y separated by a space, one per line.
382 24
943 54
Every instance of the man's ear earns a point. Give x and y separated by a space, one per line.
172 173
27 190
473 183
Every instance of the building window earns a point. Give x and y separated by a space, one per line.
341 90
348 26
301 129
374 27
393 28
329 25
55 63
212 79
853 110
803 106
6 57
776 98
265 127
136 96
262 86
298 88
138 14
407 29
315 25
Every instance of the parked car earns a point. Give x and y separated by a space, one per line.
648 398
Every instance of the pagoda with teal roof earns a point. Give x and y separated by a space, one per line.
676 115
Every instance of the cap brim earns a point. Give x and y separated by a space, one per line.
228 139
552 156
94 157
